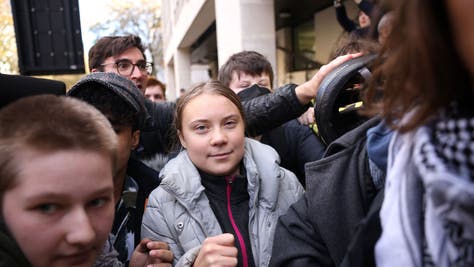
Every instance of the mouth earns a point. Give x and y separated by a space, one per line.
220 155
79 258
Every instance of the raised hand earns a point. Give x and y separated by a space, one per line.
216 251
151 254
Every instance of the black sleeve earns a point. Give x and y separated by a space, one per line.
367 7
271 110
162 137
297 241
347 24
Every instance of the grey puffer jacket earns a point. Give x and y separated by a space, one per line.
178 211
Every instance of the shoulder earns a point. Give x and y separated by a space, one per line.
181 165
354 138
180 177
256 149
146 177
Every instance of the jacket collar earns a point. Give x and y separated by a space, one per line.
181 178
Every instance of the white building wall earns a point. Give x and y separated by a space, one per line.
183 22
171 93
240 25
245 25
327 30
182 68
199 73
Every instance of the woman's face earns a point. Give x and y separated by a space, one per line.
61 208
364 20
462 24
213 134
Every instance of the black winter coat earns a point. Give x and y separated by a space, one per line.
147 180
319 228
296 145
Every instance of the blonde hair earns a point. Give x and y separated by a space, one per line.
49 123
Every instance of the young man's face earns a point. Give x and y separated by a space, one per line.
134 55
61 209
127 141
242 80
155 93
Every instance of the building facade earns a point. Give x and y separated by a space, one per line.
199 36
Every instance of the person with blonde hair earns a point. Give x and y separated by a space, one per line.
52 149
221 196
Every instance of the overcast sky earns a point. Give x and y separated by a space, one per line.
91 11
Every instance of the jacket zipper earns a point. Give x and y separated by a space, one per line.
229 180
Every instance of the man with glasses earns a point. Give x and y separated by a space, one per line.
125 56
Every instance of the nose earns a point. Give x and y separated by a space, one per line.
80 230
218 137
137 73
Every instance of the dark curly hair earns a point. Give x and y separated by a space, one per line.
109 46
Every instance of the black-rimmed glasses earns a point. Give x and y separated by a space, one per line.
125 67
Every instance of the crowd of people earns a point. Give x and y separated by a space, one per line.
112 174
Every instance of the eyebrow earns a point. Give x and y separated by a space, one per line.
118 60
225 118
45 196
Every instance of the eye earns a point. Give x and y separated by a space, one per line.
117 129
201 128
99 202
124 65
264 84
142 65
47 208
230 124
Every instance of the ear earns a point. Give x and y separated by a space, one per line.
94 70
181 139
135 139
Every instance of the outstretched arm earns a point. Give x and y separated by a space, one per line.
286 103
346 23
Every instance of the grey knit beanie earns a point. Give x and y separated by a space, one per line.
122 87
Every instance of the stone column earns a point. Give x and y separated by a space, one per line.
245 25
